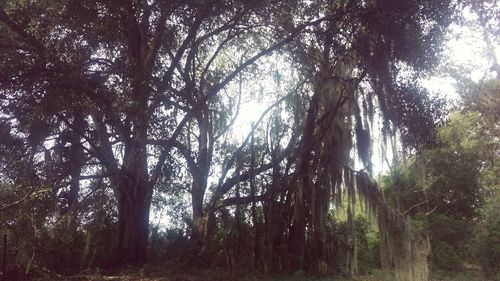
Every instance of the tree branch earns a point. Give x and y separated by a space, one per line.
216 88
4 17
187 155
223 188
238 151
240 200
168 144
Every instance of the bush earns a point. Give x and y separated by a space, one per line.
449 239
487 241
445 257
367 239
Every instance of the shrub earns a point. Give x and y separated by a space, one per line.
487 241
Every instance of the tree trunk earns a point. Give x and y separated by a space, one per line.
255 221
4 258
298 231
77 157
319 204
133 221
200 176
297 242
237 224
199 221
271 220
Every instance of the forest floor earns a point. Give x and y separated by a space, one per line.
469 274
164 273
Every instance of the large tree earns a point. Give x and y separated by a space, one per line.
124 78
118 85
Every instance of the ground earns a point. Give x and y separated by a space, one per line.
469 274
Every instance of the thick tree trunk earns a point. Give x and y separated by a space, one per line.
133 230
134 189
297 241
319 205
199 220
133 222
200 176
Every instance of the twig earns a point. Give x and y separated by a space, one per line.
29 266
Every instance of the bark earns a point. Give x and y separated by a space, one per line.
298 239
237 225
199 172
134 188
130 182
272 219
255 221
199 220
134 196
321 196
133 221
4 257
77 160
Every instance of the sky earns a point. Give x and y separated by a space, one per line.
464 47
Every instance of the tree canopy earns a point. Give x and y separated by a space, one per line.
110 108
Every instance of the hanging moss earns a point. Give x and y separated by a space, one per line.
402 248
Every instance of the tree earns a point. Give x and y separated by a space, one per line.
442 188
117 91
130 69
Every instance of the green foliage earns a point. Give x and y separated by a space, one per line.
487 240
444 187
144 89
446 257
449 238
455 166
367 243
368 246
